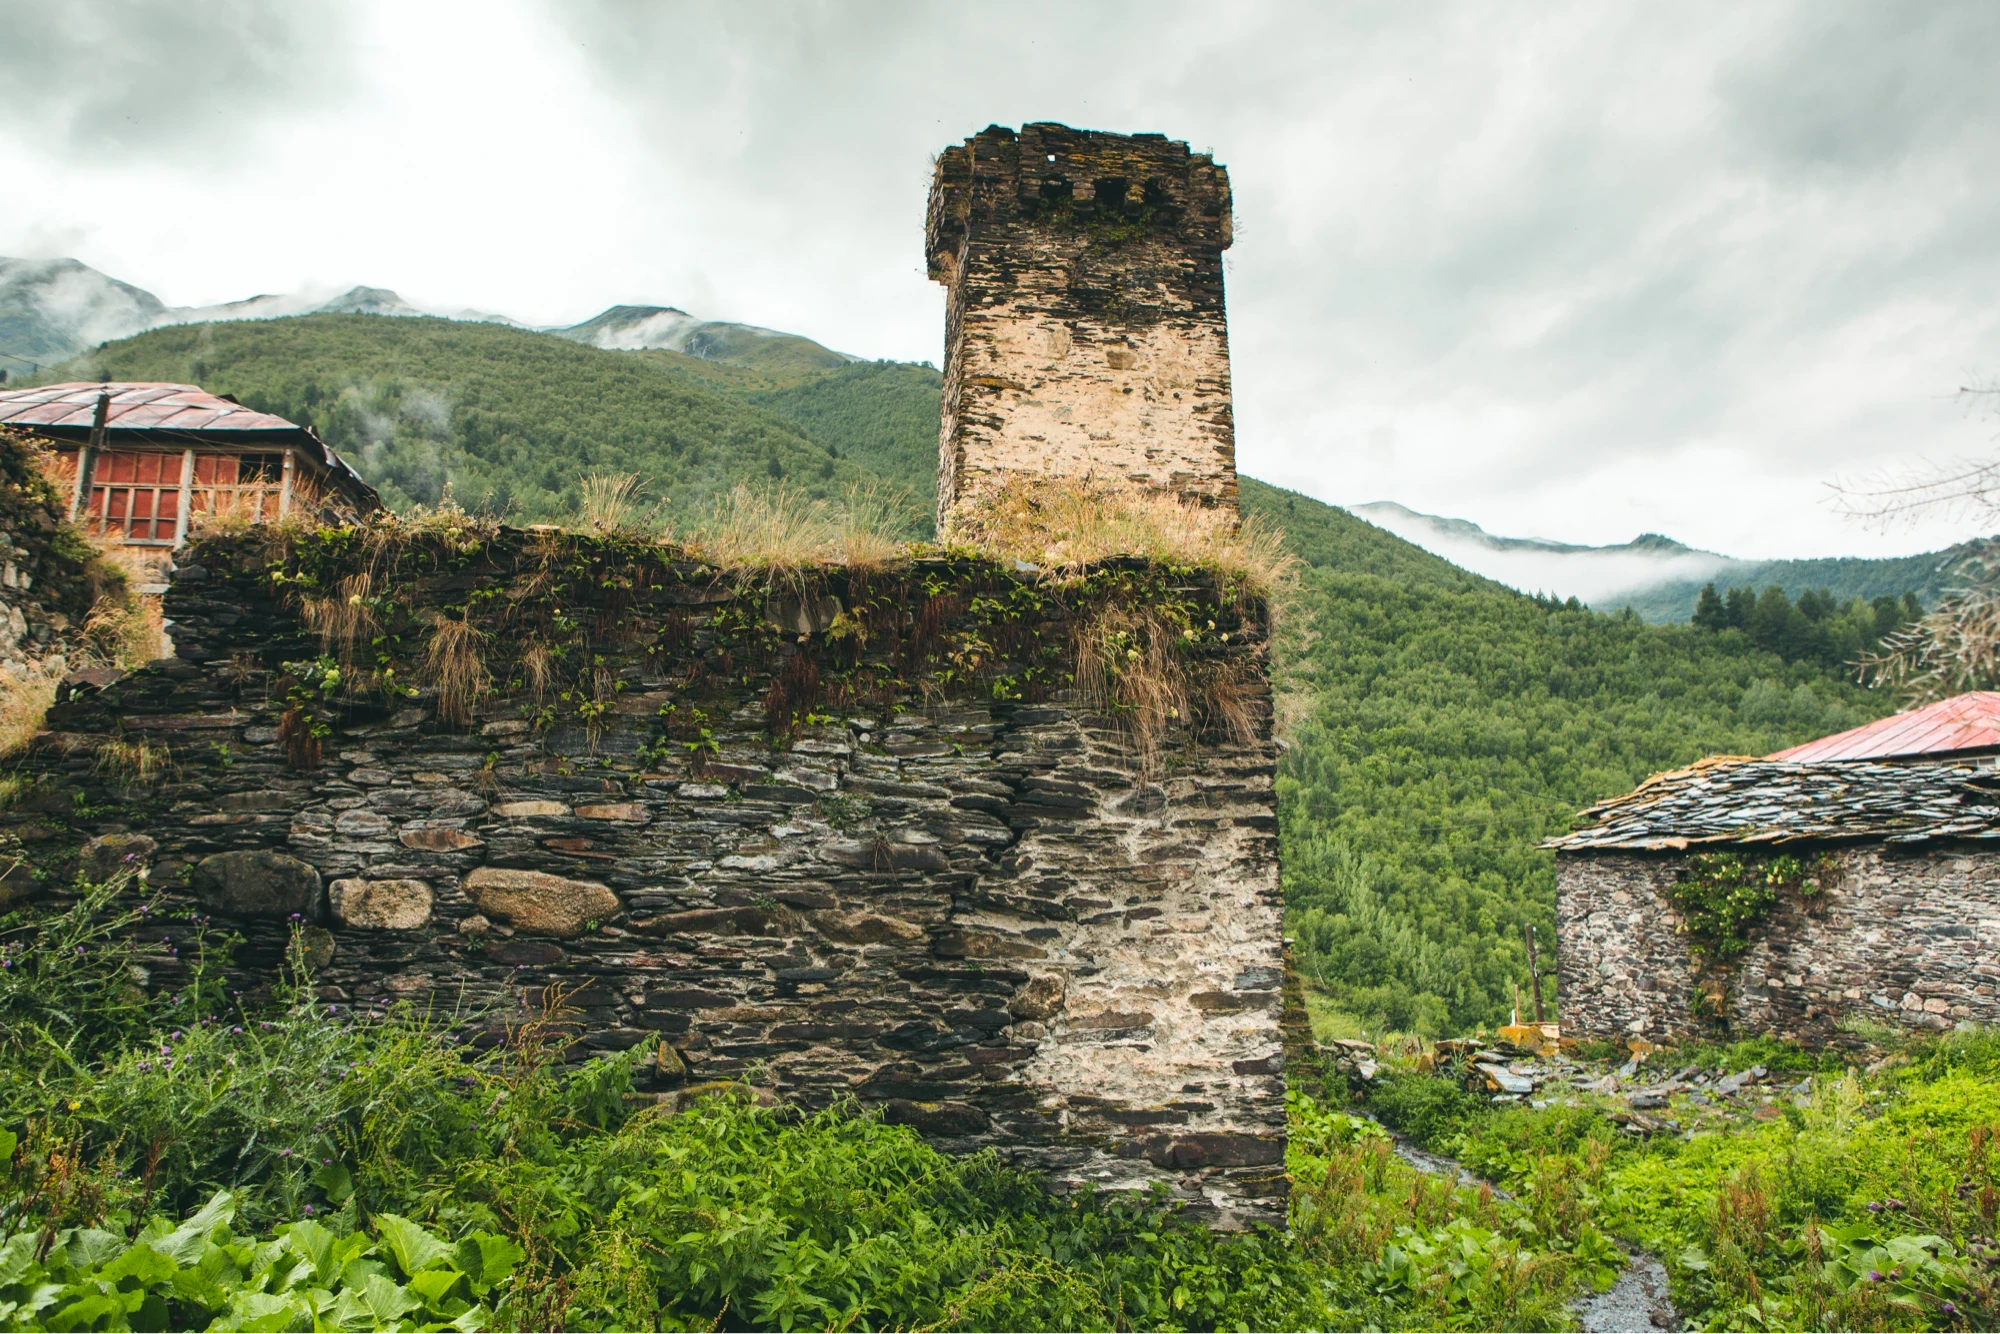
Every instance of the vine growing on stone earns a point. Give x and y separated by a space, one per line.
1722 897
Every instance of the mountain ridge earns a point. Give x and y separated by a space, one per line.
55 309
1655 575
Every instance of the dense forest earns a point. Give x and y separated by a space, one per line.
1816 628
1440 725
1445 725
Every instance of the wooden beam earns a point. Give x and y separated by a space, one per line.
187 499
285 493
86 459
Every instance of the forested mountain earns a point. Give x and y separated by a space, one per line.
1657 577
1440 724
510 419
1447 725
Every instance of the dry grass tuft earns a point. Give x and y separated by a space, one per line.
874 527
453 662
125 631
610 504
344 618
538 666
781 531
1128 666
1068 526
24 701
777 529
127 762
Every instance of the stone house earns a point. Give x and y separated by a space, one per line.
1856 875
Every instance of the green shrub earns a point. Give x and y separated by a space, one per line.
200 1275
1429 1110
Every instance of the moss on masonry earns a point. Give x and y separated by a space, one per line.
454 612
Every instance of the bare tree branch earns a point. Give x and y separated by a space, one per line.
1964 486
1956 647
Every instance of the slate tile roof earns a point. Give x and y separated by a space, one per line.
1736 799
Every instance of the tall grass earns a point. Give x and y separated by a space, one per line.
1067 526
780 530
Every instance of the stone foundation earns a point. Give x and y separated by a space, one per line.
982 915
1908 937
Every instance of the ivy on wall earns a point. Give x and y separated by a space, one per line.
1722 897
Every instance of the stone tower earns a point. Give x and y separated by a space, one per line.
1084 334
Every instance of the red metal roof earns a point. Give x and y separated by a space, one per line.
176 413
134 407
1963 722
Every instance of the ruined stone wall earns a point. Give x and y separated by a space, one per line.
47 584
1900 936
1085 333
985 915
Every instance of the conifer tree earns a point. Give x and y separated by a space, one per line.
1709 613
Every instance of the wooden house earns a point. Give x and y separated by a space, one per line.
146 460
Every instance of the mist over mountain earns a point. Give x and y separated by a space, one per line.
1654 575
53 309
670 329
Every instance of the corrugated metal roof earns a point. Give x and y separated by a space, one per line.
1964 722
176 411
1733 800
134 407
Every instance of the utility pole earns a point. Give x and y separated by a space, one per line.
86 458
1534 970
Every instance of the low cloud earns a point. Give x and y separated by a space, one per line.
111 79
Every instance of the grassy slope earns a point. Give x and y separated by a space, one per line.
509 418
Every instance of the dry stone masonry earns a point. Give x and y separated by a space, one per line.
843 833
982 914
47 581
1900 921
1084 335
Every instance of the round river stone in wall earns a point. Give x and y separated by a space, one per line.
538 903
256 884
382 905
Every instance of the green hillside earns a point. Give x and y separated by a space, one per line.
1441 724
1446 725
881 414
509 419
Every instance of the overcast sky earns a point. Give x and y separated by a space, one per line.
1569 270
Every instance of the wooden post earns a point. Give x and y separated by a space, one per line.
187 499
285 492
86 459
1534 970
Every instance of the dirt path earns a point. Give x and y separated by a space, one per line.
1636 1304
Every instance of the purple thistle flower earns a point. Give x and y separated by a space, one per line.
1874 1276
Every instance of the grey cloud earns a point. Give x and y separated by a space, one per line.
187 79
1487 255
1854 85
